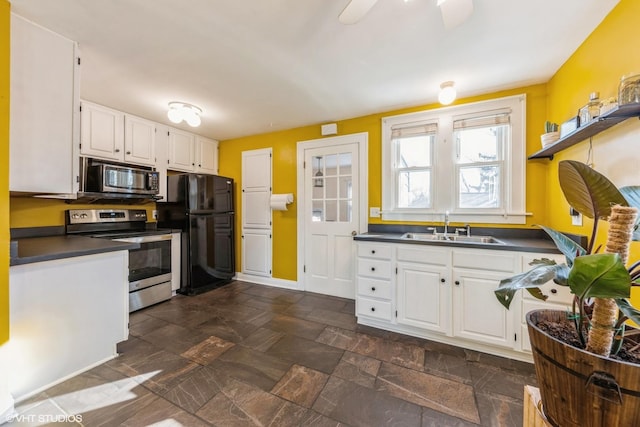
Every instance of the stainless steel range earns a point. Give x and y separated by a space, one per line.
149 265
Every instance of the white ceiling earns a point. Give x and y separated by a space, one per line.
256 66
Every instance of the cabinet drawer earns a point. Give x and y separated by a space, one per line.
425 255
486 260
373 268
371 250
374 288
372 308
556 294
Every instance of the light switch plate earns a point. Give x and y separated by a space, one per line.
154 214
374 212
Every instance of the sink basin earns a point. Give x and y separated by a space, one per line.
475 239
421 236
489 240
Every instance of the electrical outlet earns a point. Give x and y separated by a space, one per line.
576 219
154 214
374 212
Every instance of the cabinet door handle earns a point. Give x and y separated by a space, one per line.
554 291
443 280
199 166
373 251
373 289
117 150
457 282
373 309
373 269
128 152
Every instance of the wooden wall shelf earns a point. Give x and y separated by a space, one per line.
610 118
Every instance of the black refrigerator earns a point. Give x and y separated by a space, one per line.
201 206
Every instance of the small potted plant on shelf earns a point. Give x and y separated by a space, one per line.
550 134
587 363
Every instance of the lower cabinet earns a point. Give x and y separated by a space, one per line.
447 294
424 288
66 316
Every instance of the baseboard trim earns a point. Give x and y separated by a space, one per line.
64 378
269 281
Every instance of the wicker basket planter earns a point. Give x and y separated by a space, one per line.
578 388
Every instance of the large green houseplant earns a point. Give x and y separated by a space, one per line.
601 284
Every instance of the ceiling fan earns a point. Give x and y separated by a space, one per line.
454 12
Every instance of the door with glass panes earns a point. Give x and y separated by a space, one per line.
331 218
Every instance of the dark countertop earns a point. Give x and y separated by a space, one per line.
38 249
513 239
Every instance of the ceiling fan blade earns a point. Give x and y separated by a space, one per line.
455 12
355 10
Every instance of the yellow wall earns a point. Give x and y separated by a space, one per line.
610 52
284 169
34 212
4 171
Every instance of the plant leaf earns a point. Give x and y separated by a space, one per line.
632 194
533 278
628 310
600 276
568 247
588 191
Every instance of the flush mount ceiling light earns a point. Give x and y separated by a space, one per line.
447 93
179 111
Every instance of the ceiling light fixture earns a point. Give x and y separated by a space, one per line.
179 111
447 93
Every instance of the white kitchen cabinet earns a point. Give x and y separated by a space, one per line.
206 155
66 316
101 132
256 252
44 111
139 141
374 289
478 315
181 153
446 294
559 297
424 287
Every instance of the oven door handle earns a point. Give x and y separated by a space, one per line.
144 239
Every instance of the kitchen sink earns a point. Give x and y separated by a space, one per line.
488 240
422 236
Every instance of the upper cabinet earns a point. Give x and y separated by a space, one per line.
44 111
181 151
102 132
206 155
192 153
113 135
139 140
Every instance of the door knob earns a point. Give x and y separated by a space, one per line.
353 233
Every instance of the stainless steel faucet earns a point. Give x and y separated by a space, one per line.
466 230
446 222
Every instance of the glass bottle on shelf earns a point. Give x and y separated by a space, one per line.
591 110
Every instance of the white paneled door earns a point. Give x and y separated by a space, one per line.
331 213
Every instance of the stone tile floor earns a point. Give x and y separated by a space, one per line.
248 354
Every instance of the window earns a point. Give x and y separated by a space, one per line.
468 160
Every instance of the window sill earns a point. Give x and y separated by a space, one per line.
465 217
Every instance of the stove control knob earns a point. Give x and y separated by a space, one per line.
84 215
75 216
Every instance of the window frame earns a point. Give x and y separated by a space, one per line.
445 177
